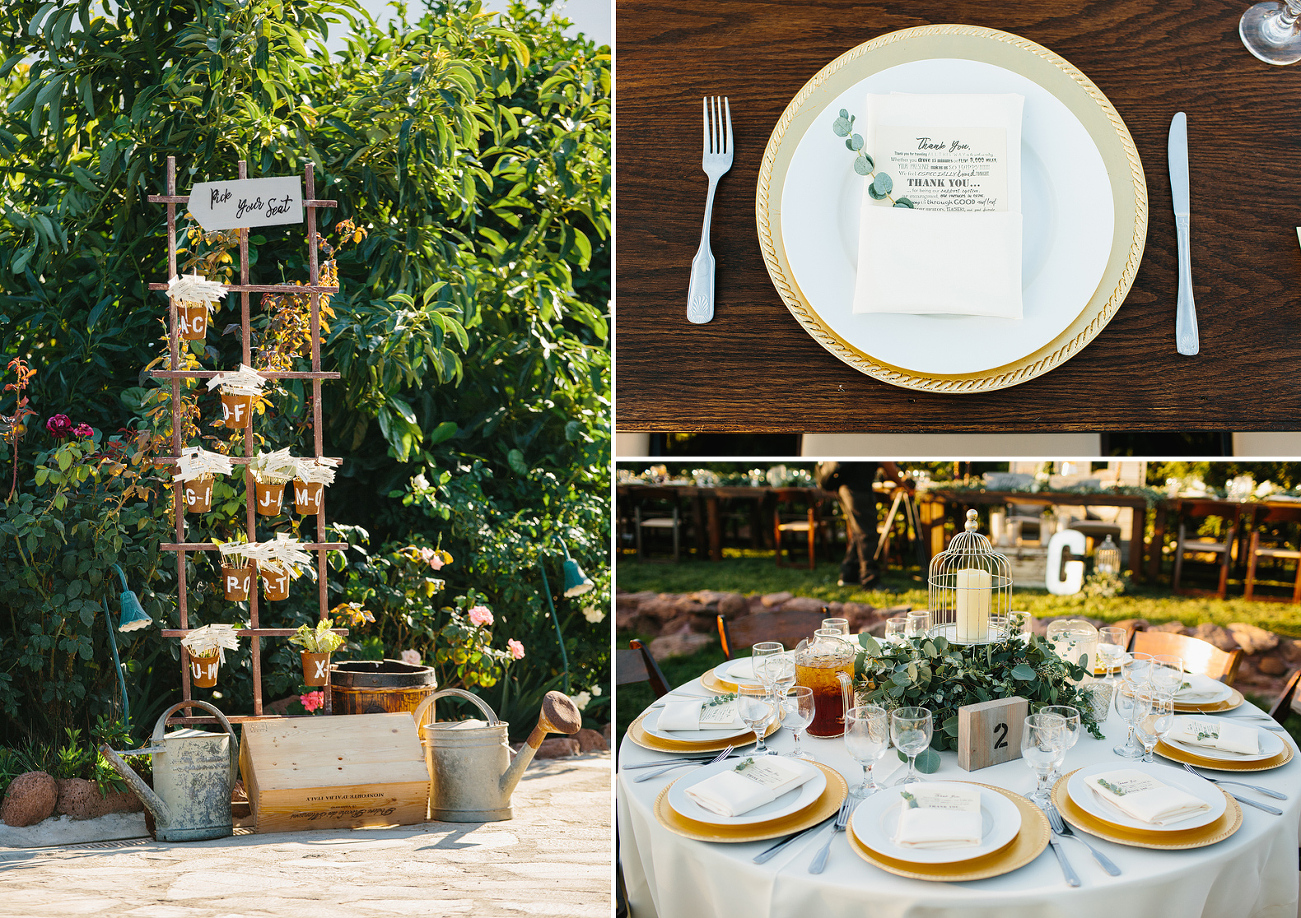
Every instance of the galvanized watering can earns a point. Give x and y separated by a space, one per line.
471 774
194 772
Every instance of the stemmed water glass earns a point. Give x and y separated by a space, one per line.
1157 718
759 656
867 739
1269 30
836 624
1167 673
1043 740
910 729
1071 718
896 628
757 709
1111 648
797 710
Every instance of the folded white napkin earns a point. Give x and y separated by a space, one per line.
1217 734
1198 688
946 816
951 254
1144 798
751 784
687 716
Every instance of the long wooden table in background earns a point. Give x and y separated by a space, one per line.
754 368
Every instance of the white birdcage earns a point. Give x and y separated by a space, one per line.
1106 560
970 588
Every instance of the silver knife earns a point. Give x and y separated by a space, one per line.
1072 878
1185 309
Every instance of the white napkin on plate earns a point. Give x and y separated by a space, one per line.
1217 734
946 816
934 261
1143 797
685 716
752 783
1198 689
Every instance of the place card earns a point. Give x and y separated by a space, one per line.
949 169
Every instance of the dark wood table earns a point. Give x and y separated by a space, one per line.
754 368
961 500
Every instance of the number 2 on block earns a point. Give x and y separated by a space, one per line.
1000 736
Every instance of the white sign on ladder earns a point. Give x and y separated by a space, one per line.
243 203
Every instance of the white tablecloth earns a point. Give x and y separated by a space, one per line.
1253 874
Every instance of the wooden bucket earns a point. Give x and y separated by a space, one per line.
380 686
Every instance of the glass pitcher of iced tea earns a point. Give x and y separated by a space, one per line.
826 664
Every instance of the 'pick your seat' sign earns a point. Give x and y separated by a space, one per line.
243 203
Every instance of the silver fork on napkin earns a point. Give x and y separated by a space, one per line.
1061 828
717 160
842 820
1185 310
655 774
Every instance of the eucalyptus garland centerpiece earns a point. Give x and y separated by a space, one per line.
935 674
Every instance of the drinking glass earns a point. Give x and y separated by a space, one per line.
1167 673
1132 704
1042 740
756 707
836 624
896 629
867 738
918 624
1269 30
759 655
1157 719
1111 648
1138 669
910 728
1071 717
797 708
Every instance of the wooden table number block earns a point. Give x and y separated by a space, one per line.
989 733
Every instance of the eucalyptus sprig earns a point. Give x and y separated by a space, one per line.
882 183
721 699
1114 788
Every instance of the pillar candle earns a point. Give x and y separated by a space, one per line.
973 605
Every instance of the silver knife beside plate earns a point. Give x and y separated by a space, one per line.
1185 309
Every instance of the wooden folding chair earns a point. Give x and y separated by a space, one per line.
637 665
1283 704
1199 656
1274 547
1188 542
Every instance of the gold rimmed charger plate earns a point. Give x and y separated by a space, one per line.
1174 753
1011 52
1028 844
1200 837
638 734
826 806
713 683
1228 704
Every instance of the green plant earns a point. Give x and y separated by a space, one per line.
882 184
317 640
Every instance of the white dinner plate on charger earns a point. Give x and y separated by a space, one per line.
651 724
790 802
1084 797
1270 746
877 817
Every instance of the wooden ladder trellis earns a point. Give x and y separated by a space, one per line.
175 374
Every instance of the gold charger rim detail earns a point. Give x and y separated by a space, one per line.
827 805
1119 153
1028 844
1235 700
715 683
638 734
1209 834
1175 754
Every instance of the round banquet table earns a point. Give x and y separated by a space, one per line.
1252 874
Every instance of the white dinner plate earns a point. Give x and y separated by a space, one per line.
1083 797
1270 746
740 671
1222 692
790 802
651 724
1067 208
877 817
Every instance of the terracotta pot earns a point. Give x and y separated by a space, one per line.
268 497
236 582
203 670
315 667
308 496
236 409
275 584
198 495
192 321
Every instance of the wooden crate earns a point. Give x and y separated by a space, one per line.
334 772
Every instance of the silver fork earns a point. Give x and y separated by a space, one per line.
716 161
842 820
1256 787
1065 831
655 774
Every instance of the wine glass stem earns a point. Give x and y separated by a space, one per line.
759 747
1042 789
1281 26
912 767
797 750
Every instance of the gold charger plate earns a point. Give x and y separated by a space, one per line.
1011 52
1200 837
713 683
1028 845
637 733
827 805
1228 704
1174 753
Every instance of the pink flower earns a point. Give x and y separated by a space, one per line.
84 430
436 562
59 425
312 700
480 616
516 649
410 657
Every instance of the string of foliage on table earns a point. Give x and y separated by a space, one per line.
942 677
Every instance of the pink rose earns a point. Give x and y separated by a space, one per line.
59 425
312 700
516 649
410 657
436 562
480 616
83 430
